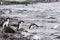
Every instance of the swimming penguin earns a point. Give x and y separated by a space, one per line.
18 26
50 17
55 27
20 23
33 25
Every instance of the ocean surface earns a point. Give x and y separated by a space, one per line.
46 15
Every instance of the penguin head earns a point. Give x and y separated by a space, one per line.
20 22
7 19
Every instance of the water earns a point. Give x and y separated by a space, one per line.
35 14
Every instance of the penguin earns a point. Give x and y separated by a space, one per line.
1 2
33 25
6 23
50 17
56 26
6 28
18 26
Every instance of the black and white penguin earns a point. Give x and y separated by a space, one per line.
1 2
18 26
33 25
6 28
56 26
6 23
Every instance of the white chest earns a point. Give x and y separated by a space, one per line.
20 25
33 27
6 23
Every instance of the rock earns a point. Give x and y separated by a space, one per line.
25 31
1 12
1 35
13 39
34 33
21 29
58 37
5 36
24 38
9 30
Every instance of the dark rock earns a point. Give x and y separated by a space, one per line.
22 29
52 34
13 39
15 25
34 39
9 30
1 12
31 35
0 35
58 37
34 33
0 38
24 38
5 36
25 31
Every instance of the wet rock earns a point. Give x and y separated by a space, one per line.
9 30
22 29
5 36
13 38
25 31
0 35
24 38
1 12
52 34
58 37
29 37
34 33
1 23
